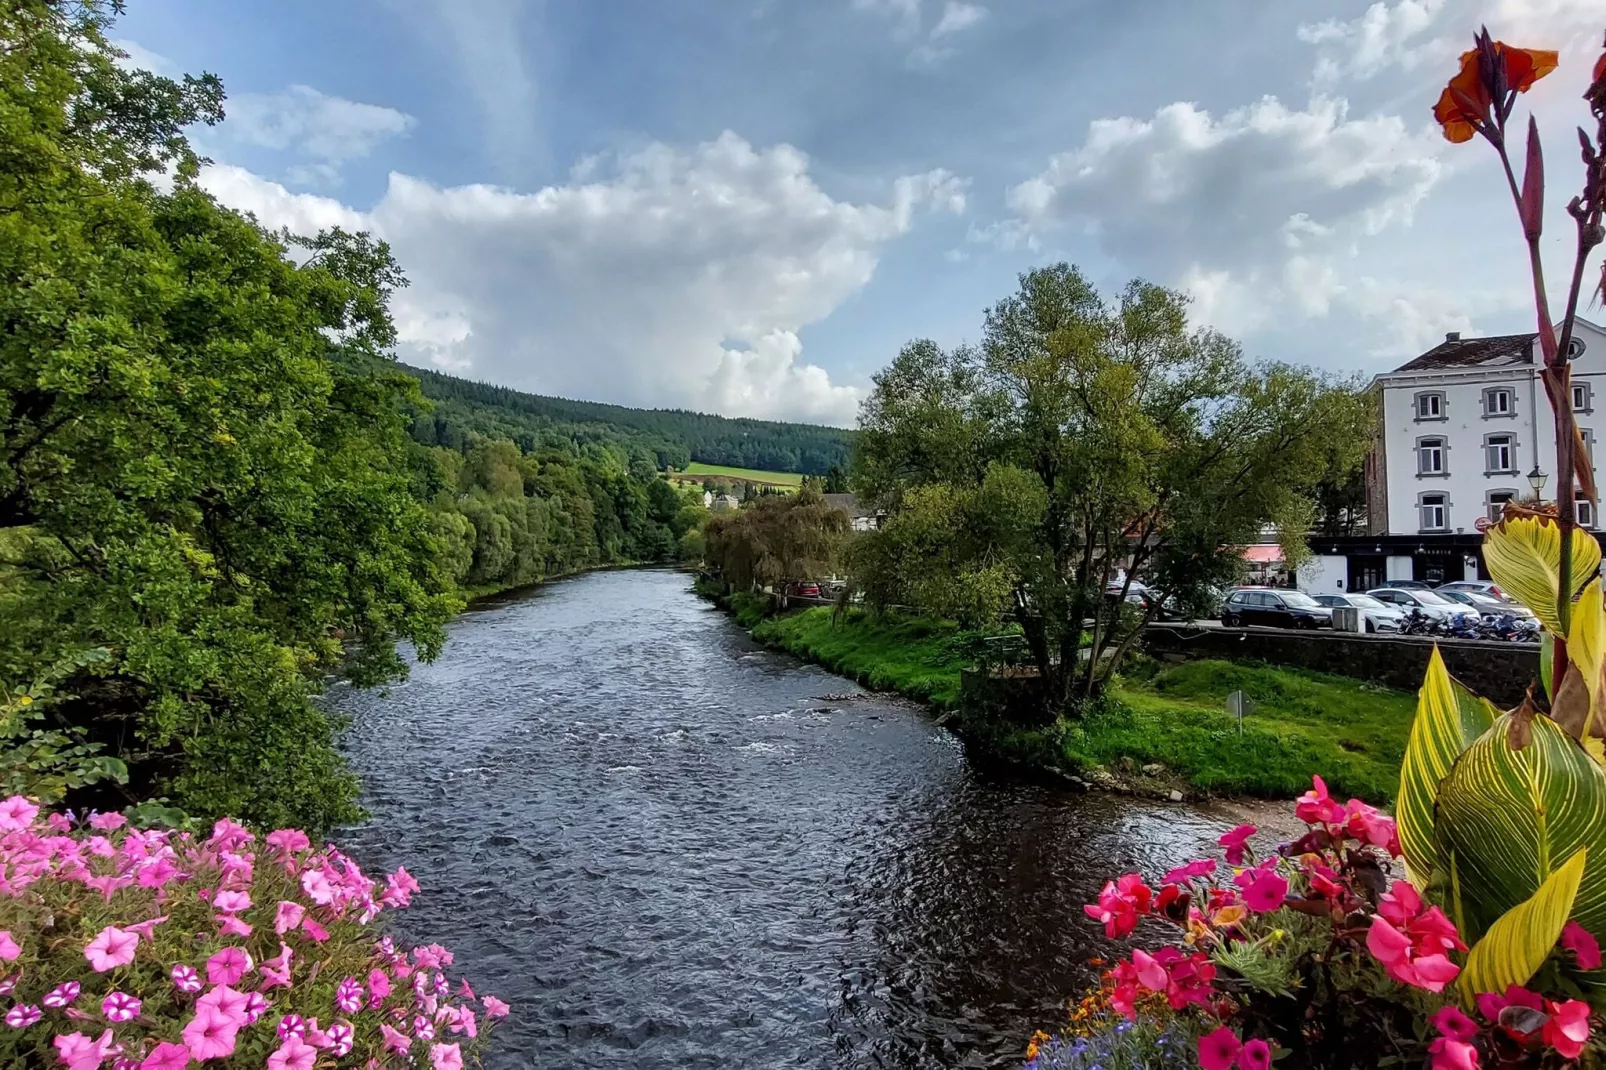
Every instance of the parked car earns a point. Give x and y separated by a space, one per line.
1430 603
1487 605
1488 587
804 589
1274 607
1405 585
1377 616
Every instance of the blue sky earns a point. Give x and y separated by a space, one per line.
747 207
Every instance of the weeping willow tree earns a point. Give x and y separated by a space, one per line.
775 540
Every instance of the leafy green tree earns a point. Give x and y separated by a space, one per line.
203 446
776 540
1085 442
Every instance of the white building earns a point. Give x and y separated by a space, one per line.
1463 429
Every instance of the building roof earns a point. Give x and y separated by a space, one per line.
847 502
1458 352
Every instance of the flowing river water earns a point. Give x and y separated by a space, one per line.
668 847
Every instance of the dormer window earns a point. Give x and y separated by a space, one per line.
1497 401
1583 397
1430 405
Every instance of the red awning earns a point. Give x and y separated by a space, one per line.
1269 555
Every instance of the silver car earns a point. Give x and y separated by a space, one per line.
1377 616
1431 604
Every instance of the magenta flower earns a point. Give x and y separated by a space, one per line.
167 1056
1454 1024
227 1003
1574 938
1255 1056
316 884
107 822
287 916
1219 1050
289 840
399 887
81 1053
23 1015
446 1057
111 948
466 1023
186 979
1490 1005
9 985
395 1041
120 1007
228 966
145 928
62 994
292 1025
16 814
1192 871
1316 807
231 902
1567 1029
495 1008
378 987
256 1005
1450 1054
348 995
226 835
342 1038
1121 903
277 969
423 1028
9 948
210 1035
316 932
1266 891
293 1054
1234 842
466 990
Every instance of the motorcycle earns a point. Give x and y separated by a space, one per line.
1417 622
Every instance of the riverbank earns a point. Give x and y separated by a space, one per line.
1161 729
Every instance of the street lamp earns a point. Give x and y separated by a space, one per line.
1536 480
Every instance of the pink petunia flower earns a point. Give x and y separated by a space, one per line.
9 985
120 1007
395 1041
1490 1005
317 933
466 990
9 948
423 1028
1448 1053
276 971
110 822
495 1008
186 978
289 840
1193 870
1582 943
1121 903
62 994
228 966
23 1015
1266 891
227 1003
293 1054
231 902
348 995
16 814
316 884
111 948
167 1056
231 925
145 929
292 1025
1235 842
1219 1050
78 1052
1450 1021
342 1038
256 1005
446 1057
210 1035
1567 1029
1316 807
1256 1055
466 1023
287 916
378 987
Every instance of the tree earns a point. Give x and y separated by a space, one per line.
1083 443
204 461
836 480
777 539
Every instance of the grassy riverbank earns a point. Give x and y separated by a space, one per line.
1350 732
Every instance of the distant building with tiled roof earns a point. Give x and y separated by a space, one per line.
863 518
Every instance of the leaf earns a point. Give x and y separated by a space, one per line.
1448 718
1516 945
1509 816
1524 557
1547 658
1578 699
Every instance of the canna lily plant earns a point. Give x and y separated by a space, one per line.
1502 815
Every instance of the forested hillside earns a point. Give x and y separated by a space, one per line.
675 437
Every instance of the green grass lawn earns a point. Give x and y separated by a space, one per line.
695 472
1350 732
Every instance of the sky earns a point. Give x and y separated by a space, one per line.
748 206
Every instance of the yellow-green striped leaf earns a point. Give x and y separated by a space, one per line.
1516 945
1547 661
1448 718
1519 802
1524 558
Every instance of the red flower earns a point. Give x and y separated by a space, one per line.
1465 106
1567 1030
1120 905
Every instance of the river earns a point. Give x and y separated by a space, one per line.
667 847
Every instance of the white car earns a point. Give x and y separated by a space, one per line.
1434 606
1378 616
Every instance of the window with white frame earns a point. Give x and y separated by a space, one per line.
1583 397
1499 453
1497 401
1589 444
1435 511
1430 457
1430 405
1586 512
1495 503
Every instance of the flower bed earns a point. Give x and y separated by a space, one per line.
162 950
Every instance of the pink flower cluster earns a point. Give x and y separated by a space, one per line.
1182 978
1412 941
281 935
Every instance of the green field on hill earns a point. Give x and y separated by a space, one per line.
697 471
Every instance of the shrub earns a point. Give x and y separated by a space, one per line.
157 949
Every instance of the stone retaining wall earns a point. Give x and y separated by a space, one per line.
1500 672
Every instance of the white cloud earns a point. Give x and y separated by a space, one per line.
141 58
909 20
957 17
670 276
328 130
1384 37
